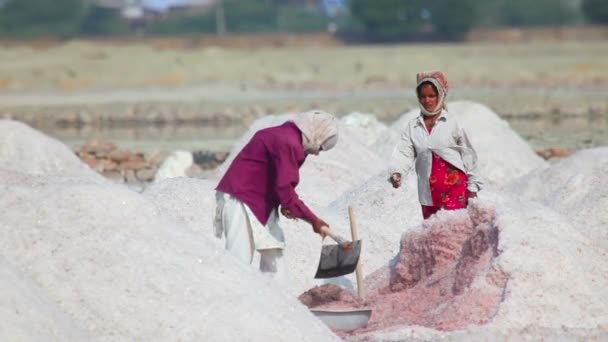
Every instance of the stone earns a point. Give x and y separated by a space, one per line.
134 165
108 165
129 176
119 155
555 152
98 147
145 175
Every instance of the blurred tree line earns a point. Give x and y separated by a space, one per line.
372 19
252 16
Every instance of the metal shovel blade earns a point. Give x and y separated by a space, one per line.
337 261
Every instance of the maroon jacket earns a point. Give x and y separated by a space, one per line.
265 173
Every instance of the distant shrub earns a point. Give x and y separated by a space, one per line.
241 16
388 19
251 16
453 18
26 18
394 19
596 11
536 13
183 24
294 19
103 21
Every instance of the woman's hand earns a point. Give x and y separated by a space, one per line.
395 180
318 226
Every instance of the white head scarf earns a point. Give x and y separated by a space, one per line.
319 130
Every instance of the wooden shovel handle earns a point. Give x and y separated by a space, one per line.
339 239
355 237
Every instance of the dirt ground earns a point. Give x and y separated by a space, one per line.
179 82
514 78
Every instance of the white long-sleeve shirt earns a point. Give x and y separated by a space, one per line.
448 140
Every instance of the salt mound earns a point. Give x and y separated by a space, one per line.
385 144
192 203
109 258
187 200
576 187
26 150
503 155
445 275
332 173
26 314
366 126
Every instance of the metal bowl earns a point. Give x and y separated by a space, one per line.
343 319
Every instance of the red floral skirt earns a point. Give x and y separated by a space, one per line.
448 188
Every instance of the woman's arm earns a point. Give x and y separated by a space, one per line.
402 158
288 177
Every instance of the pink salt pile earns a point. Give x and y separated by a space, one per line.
330 296
445 276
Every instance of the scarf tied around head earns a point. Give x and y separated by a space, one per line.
440 81
319 130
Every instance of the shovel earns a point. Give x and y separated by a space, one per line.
340 259
347 320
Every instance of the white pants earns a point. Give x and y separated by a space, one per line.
234 220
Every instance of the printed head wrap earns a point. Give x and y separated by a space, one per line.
440 81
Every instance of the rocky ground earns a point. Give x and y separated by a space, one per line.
138 168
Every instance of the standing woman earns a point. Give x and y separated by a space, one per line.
445 161
263 178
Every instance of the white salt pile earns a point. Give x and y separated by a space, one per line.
118 265
22 148
503 154
27 314
365 126
113 265
574 187
186 199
